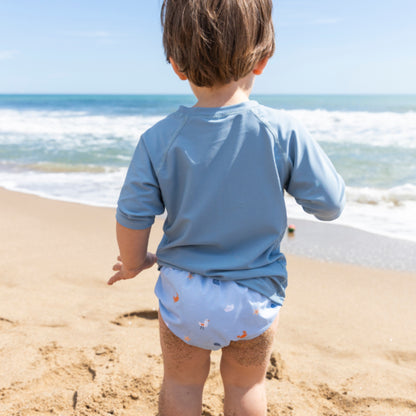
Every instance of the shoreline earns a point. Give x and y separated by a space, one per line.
70 344
341 243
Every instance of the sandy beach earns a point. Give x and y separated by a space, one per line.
71 345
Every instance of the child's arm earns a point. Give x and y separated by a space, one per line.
313 180
133 253
140 200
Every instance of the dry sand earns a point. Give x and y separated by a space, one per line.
71 345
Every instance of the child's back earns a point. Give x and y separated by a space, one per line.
222 173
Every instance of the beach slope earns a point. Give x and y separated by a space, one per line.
71 345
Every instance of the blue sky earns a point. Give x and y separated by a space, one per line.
90 46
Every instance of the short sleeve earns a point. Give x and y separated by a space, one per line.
313 180
140 198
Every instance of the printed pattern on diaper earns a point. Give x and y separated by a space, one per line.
184 297
229 308
243 335
203 325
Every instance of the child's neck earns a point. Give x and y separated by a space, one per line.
235 92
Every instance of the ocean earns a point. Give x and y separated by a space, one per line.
77 148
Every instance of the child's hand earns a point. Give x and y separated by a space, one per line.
123 273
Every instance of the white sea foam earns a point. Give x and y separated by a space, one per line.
383 211
69 128
389 212
74 127
386 212
361 127
98 189
396 196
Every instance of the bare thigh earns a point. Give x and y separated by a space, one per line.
247 361
184 362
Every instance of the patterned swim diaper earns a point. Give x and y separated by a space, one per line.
210 313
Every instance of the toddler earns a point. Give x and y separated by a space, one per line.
220 170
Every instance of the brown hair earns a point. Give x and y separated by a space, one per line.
214 42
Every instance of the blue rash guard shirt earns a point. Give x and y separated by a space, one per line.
220 174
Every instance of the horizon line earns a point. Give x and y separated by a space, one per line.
191 95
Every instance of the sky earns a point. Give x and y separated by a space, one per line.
115 47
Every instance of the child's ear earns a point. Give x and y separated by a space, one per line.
258 69
180 74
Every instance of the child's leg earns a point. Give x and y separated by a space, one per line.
185 370
243 370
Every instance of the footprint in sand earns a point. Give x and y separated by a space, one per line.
402 357
347 403
105 353
6 323
137 318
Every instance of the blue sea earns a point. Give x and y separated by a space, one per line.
77 148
